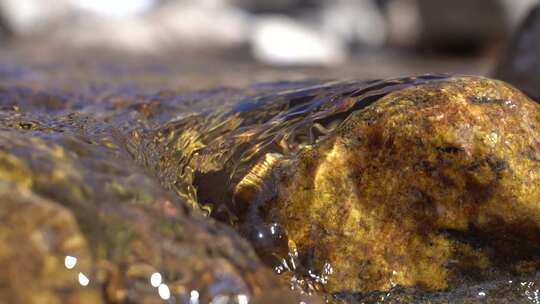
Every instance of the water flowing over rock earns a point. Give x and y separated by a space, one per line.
83 223
432 186
405 190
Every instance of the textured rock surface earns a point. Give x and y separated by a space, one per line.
433 186
96 164
36 235
70 191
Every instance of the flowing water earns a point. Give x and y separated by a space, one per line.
111 157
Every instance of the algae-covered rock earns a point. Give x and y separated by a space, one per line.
83 223
432 186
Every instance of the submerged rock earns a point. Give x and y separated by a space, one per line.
83 223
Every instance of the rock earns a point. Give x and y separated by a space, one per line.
415 189
522 57
37 236
122 8
27 17
404 22
465 27
420 186
516 11
141 26
281 7
283 41
432 186
83 223
313 32
357 23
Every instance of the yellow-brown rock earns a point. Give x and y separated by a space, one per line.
430 186
36 236
428 182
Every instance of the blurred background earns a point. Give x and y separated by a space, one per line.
234 42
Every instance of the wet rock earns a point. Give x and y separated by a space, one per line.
313 32
522 57
505 290
37 236
432 186
412 189
284 41
420 186
464 27
83 223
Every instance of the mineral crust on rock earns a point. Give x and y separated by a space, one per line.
432 186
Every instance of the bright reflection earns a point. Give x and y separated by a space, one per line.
70 262
116 8
83 280
155 279
273 229
242 299
220 299
194 297
164 292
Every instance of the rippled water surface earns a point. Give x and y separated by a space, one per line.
125 181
